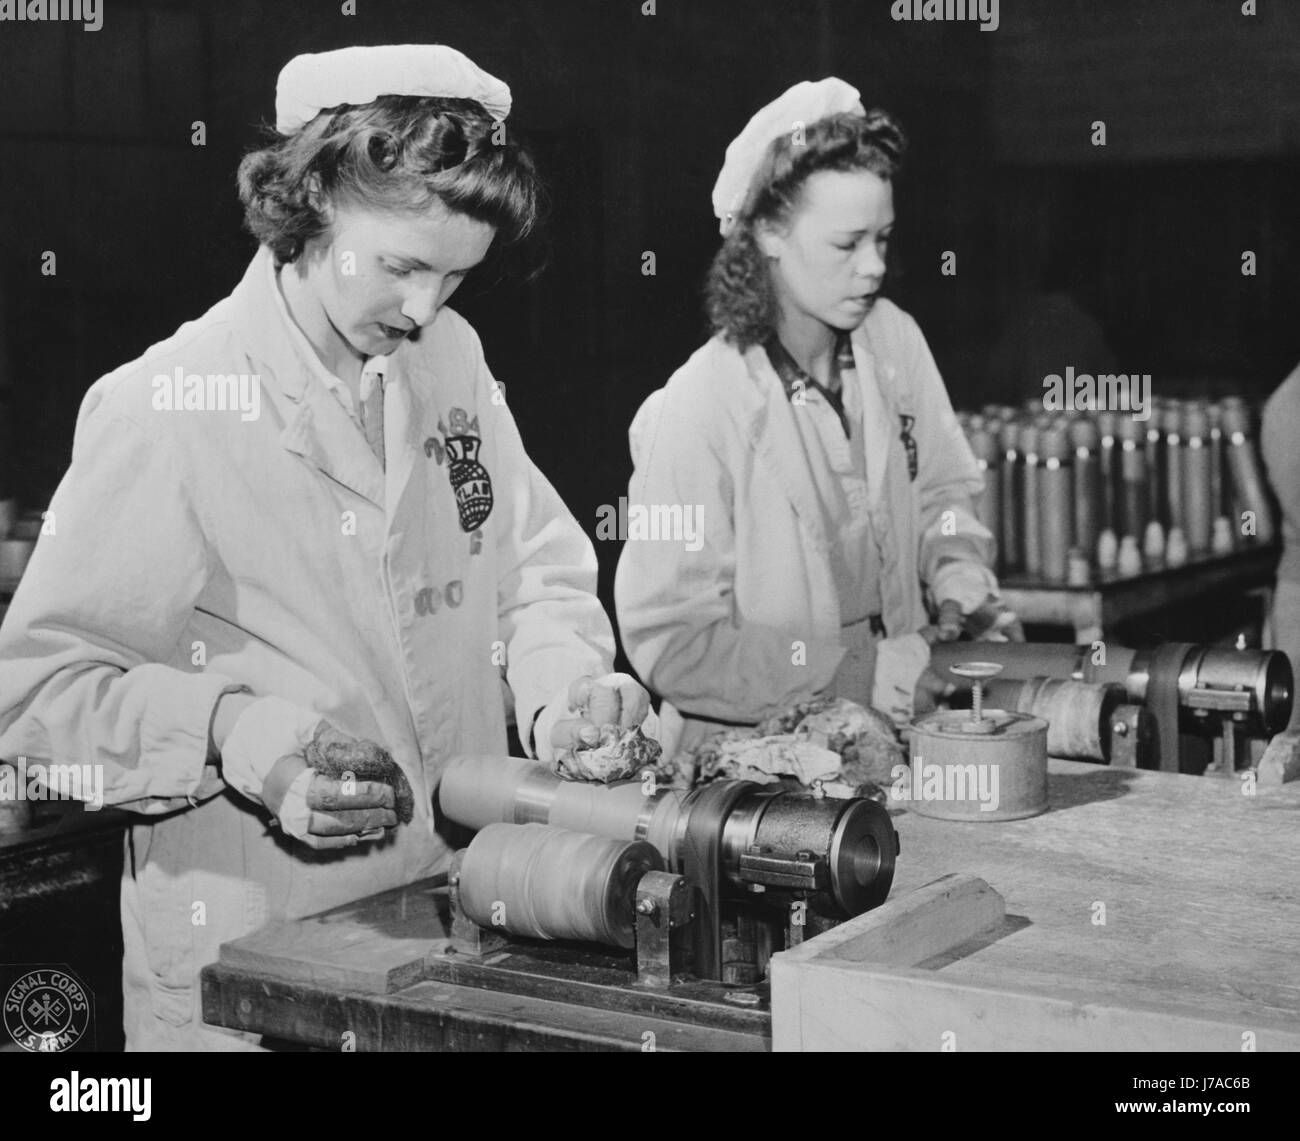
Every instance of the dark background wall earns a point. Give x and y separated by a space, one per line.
630 114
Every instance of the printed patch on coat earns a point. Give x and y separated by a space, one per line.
909 444
469 478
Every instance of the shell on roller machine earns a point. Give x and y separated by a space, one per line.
617 756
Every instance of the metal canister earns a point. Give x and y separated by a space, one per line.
978 766
1134 479
1214 441
1031 546
1153 448
978 777
988 507
1175 485
1248 486
1009 477
1088 507
1108 466
1198 509
1055 500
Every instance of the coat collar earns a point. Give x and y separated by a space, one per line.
778 444
878 419
316 425
777 441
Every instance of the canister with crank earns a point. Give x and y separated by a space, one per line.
978 765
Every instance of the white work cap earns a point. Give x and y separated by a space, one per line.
799 107
356 76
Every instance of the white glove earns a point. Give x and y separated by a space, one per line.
972 589
576 715
969 584
260 757
900 662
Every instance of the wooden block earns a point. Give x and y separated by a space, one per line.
907 929
911 928
374 946
1146 911
1281 760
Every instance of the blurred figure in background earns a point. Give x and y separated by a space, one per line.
1279 434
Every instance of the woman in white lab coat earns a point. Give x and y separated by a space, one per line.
813 440
304 520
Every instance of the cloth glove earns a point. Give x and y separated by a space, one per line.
966 583
900 664
966 596
324 788
576 715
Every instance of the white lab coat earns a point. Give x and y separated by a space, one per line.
751 623
195 551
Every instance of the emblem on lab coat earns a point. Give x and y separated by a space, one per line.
469 478
909 444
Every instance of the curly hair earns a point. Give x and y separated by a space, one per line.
401 153
739 296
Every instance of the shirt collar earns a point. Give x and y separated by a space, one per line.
372 371
790 373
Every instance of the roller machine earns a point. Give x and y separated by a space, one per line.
579 915
688 893
1154 707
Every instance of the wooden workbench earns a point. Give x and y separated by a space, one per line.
371 976
1200 944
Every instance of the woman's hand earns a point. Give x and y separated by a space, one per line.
930 690
575 718
991 622
948 626
324 787
994 621
324 812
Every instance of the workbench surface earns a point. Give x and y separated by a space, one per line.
1200 883
1144 910
1137 889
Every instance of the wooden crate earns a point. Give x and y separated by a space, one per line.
1144 911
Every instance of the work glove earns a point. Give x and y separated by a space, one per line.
966 595
903 685
574 719
324 787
